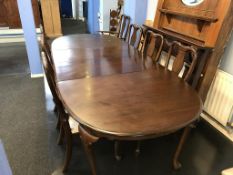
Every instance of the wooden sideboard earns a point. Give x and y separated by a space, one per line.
206 27
9 14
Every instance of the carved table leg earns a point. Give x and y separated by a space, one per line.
117 150
176 164
58 122
55 109
88 140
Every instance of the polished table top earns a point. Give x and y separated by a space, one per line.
82 56
127 95
139 104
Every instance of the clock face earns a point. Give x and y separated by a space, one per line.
192 2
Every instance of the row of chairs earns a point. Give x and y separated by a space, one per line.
179 58
131 33
66 125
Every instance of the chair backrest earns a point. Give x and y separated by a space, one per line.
51 79
46 48
153 45
135 35
49 72
182 59
123 27
114 20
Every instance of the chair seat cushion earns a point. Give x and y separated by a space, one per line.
73 125
228 171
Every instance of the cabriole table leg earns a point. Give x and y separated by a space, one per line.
176 164
88 140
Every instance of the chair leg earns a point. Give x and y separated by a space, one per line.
68 153
87 141
55 108
61 135
176 164
117 151
138 148
58 123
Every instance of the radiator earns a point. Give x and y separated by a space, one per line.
219 102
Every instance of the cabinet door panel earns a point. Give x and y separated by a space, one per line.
3 17
9 14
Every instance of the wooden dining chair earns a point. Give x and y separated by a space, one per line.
135 35
153 45
114 20
122 30
124 27
44 39
182 60
67 125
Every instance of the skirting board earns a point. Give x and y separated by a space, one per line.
37 75
217 126
14 39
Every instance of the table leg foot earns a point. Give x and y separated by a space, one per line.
87 141
176 164
138 149
117 153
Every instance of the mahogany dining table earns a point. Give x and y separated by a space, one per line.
115 92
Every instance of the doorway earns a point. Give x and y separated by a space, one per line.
73 16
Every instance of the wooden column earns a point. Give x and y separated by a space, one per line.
51 17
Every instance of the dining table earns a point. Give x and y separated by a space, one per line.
116 92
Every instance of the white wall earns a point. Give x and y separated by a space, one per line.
151 9
140 10
130 9
105 6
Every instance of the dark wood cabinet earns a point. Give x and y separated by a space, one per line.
9 14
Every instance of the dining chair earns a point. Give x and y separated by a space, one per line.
44 39
114 20
153 45
122 30
68 127
182 60
135 35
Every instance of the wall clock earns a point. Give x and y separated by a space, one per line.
192 2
